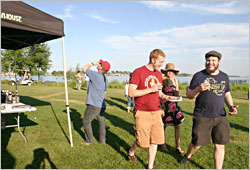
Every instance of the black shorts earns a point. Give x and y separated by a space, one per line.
205 127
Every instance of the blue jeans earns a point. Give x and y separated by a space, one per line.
129 102
90 113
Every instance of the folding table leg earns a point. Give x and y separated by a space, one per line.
18 126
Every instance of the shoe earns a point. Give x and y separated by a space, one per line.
132 159
185 160
179 150
163 147
128 110
85 143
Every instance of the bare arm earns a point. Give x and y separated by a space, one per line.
229 102
166 97
176 84
133 92
87 66
191 94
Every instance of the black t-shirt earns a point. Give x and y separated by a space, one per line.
210 103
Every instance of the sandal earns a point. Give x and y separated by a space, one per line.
179 150
185 160
163 147
132 159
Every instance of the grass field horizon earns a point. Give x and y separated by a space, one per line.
49 147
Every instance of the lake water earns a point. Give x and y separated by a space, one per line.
119 78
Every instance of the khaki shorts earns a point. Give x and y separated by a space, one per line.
204 128
149 128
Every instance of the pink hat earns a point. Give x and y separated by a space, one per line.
105 65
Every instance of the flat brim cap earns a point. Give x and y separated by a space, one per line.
213 53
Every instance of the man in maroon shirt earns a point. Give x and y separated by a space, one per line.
145 86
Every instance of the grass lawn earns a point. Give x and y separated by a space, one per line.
48 136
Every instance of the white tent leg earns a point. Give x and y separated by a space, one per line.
66 93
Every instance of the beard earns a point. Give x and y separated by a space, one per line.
212 70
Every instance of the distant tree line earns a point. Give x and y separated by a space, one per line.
71 72
120 72
184 75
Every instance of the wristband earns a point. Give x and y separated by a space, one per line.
91 63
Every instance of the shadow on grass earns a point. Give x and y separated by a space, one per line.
118 122
113 140
40 155
33 101
188 113
172 152
76 119
36 102
7 160
120 100
239 127
111 103
58 122
24 121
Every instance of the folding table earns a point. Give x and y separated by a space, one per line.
17 108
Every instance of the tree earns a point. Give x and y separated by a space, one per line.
7 61
36 59
70 73
78 67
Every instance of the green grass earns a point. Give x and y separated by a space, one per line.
48 136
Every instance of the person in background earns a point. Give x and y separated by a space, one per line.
86 81
96 105
130 99
210 88
173 115
29 76
78 77
146 85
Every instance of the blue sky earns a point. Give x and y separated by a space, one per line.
125 32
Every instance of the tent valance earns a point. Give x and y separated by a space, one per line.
23 25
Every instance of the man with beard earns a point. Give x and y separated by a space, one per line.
211 89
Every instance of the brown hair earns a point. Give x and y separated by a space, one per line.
167 83
156 53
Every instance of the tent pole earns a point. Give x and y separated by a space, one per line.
15 71
66 93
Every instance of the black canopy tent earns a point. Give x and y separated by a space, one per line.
23 25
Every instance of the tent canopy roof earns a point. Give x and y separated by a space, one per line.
23 25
